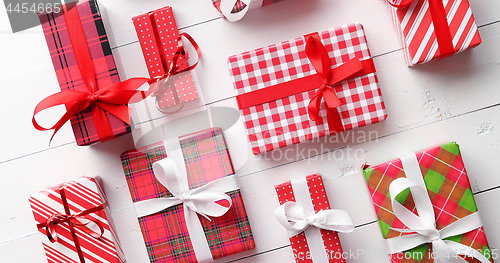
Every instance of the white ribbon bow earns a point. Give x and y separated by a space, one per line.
201 200
296 219
424 225
226 6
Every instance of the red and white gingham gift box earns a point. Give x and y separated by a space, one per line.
71 198
285 121
158 36
433 29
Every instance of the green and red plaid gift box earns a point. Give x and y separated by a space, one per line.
450 193
165 233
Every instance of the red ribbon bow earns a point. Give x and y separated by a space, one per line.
113 98
441 27
318 55
76 220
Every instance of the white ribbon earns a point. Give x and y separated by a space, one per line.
297 216
201 200
226 6
424 225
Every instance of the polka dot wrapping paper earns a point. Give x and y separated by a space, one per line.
449 190
158 36
320 202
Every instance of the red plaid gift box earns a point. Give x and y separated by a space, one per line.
434 29
308 193
68 72
165 233
237 8
438 176
159 39
275 84
65 214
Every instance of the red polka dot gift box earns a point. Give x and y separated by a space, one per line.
305 88
164 54
312 225
426 208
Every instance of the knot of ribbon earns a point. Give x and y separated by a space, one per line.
423 225
208 201
439 20
76 220
296 219
242 6
318 56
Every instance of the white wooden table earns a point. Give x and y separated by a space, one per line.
456 99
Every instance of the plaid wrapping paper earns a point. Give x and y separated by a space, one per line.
82 194
285 121
68 73
240 5
165 233
417 35
320 202
449 190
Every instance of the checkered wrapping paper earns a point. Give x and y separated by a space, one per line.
449 190
81 194
68 73
285 121
417 34
165 232
320 202
240 5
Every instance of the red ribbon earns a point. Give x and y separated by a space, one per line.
324 81
113 98
76 220
441 27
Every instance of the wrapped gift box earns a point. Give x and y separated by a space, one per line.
159 38
276 114
165 233
68 73
239 5
431 30
448 188
318 202
73 243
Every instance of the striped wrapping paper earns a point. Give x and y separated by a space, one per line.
81 194
320 202
285 122
239 5
165 234
157 33
67 71
417 34
450 193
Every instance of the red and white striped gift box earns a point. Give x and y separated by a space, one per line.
313 184
79 195
433 29
285 121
